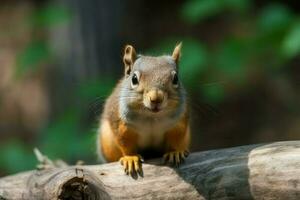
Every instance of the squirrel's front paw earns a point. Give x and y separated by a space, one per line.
175 157
132 164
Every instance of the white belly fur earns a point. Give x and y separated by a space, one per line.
151 132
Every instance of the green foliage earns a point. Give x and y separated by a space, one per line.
15 157
95 88
50 15
274 18
272 39
194 59
37 52
272 26
213 94
230 59
66 139
194 11
291 42
32 56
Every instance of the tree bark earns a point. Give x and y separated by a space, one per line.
263 171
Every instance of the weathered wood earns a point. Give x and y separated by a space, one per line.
265 171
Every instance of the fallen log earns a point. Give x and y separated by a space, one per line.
263 171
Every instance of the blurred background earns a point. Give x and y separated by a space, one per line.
59 59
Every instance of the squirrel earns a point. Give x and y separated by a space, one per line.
146 110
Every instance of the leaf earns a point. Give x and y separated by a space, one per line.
231 59
16 157
57 139
66 139
238 5
96 88
196 10
51 15
213 93
194 59
274 18
291 42
32 56
85 146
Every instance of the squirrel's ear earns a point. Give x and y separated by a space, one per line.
177 53
129 58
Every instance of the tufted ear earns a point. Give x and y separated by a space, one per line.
177 53
129 58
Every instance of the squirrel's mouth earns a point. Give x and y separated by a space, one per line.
154 109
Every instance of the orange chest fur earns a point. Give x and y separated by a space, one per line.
152 133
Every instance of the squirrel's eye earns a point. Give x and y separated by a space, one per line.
175 79
135 79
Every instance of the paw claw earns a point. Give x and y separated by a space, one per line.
142 159
131 164
175 157
186 153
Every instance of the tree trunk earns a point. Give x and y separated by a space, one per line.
264 171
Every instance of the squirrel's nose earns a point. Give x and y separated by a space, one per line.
156 96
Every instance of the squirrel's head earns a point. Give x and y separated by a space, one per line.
151 84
